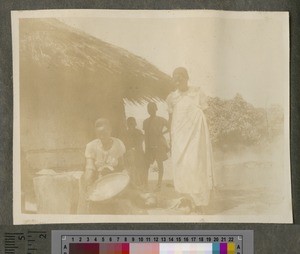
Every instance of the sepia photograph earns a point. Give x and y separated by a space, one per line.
151 116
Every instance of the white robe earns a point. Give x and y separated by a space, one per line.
191 146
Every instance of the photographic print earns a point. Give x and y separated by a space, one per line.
151 116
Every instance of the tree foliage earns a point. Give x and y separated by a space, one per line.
237 122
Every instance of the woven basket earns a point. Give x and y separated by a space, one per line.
108 187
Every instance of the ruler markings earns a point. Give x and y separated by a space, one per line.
157 235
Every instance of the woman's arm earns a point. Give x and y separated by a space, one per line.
203 100
169 126
89 173
170 121
170 105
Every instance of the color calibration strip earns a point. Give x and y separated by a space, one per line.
152 248
152 242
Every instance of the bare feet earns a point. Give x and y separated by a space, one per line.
182 204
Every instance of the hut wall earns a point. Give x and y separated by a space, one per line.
68 79
58 112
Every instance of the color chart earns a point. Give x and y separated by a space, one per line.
151 248
152 242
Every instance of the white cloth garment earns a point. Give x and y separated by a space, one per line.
191 146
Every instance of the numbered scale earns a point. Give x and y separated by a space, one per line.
152 242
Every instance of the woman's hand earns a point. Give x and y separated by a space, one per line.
88 177
105 171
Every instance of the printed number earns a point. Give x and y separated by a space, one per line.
148 239
21 237
208 239
201 239
216 239
132 239
141 239
193 239
125 239
178 239
118 239
87 239
80 239
223 239
171 239
163 239
155 239
230 239
110 239
103 239
73 239
96 239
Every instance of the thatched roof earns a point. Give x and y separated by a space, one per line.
50 46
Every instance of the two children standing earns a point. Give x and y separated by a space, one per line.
156 147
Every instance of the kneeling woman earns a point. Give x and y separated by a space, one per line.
104 155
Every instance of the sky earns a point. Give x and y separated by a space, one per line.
223 55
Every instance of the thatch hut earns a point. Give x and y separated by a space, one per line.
67 80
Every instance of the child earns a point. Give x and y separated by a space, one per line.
155 142
135 153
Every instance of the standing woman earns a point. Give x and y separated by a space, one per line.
191 147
